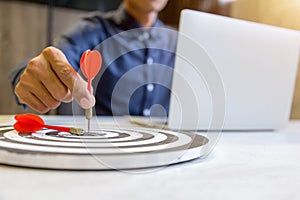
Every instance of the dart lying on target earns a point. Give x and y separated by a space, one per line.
30 123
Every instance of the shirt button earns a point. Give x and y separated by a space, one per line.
150 87
146 112
149 61
144 36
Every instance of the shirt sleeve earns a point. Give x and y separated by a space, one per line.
14 77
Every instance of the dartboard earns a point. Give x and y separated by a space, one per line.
108 148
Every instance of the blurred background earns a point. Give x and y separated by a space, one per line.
28 26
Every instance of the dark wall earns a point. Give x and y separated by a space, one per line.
87 5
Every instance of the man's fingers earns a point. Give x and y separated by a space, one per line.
32 101
61 66
40 70
29 88
45 97
82 95
68 97
69 77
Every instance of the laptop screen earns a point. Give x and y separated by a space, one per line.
232 74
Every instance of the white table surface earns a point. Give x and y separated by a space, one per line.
243 165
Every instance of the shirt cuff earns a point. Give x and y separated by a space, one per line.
14 77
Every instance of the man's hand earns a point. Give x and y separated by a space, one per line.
48 80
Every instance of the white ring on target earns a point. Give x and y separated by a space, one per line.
86 149
16 137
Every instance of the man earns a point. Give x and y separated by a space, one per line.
125 38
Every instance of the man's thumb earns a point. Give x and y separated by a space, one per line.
81 94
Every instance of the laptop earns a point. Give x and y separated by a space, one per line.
231 74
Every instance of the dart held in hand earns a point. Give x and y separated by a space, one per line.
90 64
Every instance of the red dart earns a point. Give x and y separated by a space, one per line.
90 64
30 123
